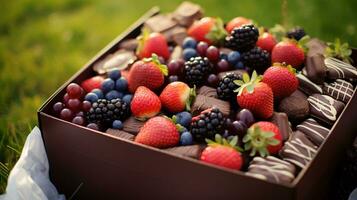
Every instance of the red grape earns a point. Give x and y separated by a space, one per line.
57 107
78 120
174 67
66 98
74 90
80 113
66 114
74 104
223 66
202 48
212 53
213 80
86 105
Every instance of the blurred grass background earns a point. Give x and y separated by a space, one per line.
42 43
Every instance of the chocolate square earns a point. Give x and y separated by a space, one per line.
193 151
295 106
307 86
339 69
315 68
186 13
202 103
340 90
160 23
314 131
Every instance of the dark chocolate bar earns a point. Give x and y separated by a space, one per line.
315 68
202 103
307 86
132 125
340 90
160 23
298 150
339 69
186 13
295 106
272 169
121 134
325 108
315 47
314 131
281 120
207 91
129 44
193 151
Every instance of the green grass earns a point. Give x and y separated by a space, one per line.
43 43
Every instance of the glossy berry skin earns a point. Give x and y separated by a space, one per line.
186 138
189 53
237 22
222 156
145 103
57 107
86 105
266 41
259 102
92 83
239 65
93 126
153 43
212 53
114 74
127 98
117 124
212 80
239 128
200 29
107 85
121 85
78 120
74 104
202 48
233 57
223 66
282 81
246 117
98 92
184 118
65 98
288 52
174 67
91 97
113 95
175 96
189 42
74 90
158 132
66 114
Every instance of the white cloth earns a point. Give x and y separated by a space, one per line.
29 179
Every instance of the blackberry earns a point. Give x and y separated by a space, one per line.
104 112
226 86
257 59
243 38
296 33
207 124
196 70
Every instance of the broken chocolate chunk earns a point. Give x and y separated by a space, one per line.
207 91
202 103
121 134
119 60
281 120
186 13
160 23
193 151
295 106
340 90
298 150
325 108
314 131
271 169
307 86
132 125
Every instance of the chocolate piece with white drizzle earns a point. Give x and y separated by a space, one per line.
314 131
298 150
340 90
325 108
307 86
272 169
339 69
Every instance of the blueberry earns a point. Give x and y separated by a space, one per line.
189 42
127 98
117 124
121 84
98 92
186 138
189 53
239 65
223 56
184 118
114 74
107 85
113 95
233 57
91 97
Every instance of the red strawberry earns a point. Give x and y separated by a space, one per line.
92 83
177 96
145 103
148 72
266 41
263 138
152 43
255 96
158 132
281 79
223 153
237 22
207 29
288 51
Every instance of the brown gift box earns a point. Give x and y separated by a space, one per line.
95 165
